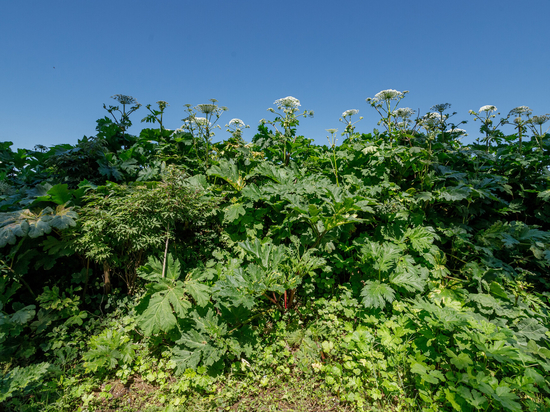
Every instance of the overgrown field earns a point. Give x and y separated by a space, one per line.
400 270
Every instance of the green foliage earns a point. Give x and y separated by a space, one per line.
168 298
108 350
121 225
400 270
22 380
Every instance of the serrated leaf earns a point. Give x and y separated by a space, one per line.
252 192
425 196
159 315
13 225
382 257
531 329
240 288
185 359
406 275
233 211
455 194
63 218
23 315
497 290
474 398
152 271
461 361
60 194
420 237
228 171
21 378
507 398
200 292
376 294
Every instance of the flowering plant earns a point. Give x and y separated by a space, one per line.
201 127
288 120
346 119
383 103
124 122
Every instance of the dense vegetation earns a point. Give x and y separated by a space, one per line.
400 270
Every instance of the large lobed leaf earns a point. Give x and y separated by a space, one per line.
376 294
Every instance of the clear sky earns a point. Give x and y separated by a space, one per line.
61 60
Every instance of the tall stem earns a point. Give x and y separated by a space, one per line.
166 249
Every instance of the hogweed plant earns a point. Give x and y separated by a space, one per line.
520 123
235 127
156 115
332 140
485 115
535 124
201 127
288 119
346 119
124 122
403 123
385 102
440 109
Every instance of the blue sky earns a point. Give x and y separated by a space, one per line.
61 60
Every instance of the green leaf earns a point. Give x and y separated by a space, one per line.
531 329
63 218
232 212
157 317
200 292
19 379
497 290
451 397
252 192
228 171
420 237
266 255
406 275
173 268
382 257
507 398
152 271
474 398
60 194
24 315
376 294
462 361
13 225
455 194
185 359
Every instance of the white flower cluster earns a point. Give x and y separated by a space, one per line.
433 116
124 99
404 112
369 149
331 131
350 112
236 122
402 125
458 131
488 108
521 110
206 108
201 121
390 94
540 120
432 119
288 102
